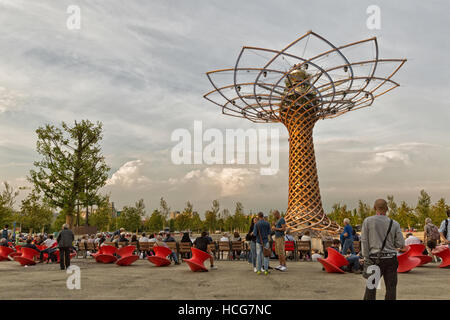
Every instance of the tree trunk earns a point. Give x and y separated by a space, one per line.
304 203
69 220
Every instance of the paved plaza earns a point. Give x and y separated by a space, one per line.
232 280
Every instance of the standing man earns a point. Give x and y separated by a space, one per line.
261 231
5 232
444 230
280 227
380 239
347 238
65 240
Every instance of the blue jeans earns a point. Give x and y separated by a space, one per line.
174 257
252 255
353 261
260 259
348 244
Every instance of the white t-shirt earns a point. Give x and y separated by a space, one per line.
305 238
412 240
442 228
224 239
143 239
315 256
49 242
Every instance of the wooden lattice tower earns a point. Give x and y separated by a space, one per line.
322 82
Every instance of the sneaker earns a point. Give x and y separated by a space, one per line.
258 272
283 268
266 272
278 268
213 268
255 270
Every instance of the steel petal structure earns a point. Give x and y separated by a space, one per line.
308 80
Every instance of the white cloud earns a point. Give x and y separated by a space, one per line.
129 175
230 181
9 99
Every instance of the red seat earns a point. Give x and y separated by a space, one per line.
17 252
443 252
417 251
334 262
106 254
126 256
406 263
289 246
160 257
196 263
27 257
4 253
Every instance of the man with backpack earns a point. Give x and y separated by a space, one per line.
444 230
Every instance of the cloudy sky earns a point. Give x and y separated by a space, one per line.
139 67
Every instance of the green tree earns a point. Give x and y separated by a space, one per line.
165 209
196 222
406 217
34 214
72 165
438 211
393 208
7 200
101 218
156 222
423 208
131 217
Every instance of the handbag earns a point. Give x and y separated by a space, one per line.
369 262
266 251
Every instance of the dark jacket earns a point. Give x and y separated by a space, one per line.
65 238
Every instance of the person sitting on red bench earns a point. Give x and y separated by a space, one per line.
201 243
49 250
30 245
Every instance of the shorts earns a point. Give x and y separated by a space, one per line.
279 246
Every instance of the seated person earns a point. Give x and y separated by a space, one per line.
316 255
201 243
224 238
410 239
288 236
4 242
143 238
306 236
354 261
159 242
30 245
123 238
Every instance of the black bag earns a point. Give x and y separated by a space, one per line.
369 262
446 229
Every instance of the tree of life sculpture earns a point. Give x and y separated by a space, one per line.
308 80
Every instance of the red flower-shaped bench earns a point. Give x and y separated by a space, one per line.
5 252
126 256
105 254
406 263
417 251
17 252
334 261
196 263
27 257
443 252
160 258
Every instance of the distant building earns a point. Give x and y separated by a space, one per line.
174 214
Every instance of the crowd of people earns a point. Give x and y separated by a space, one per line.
381 241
